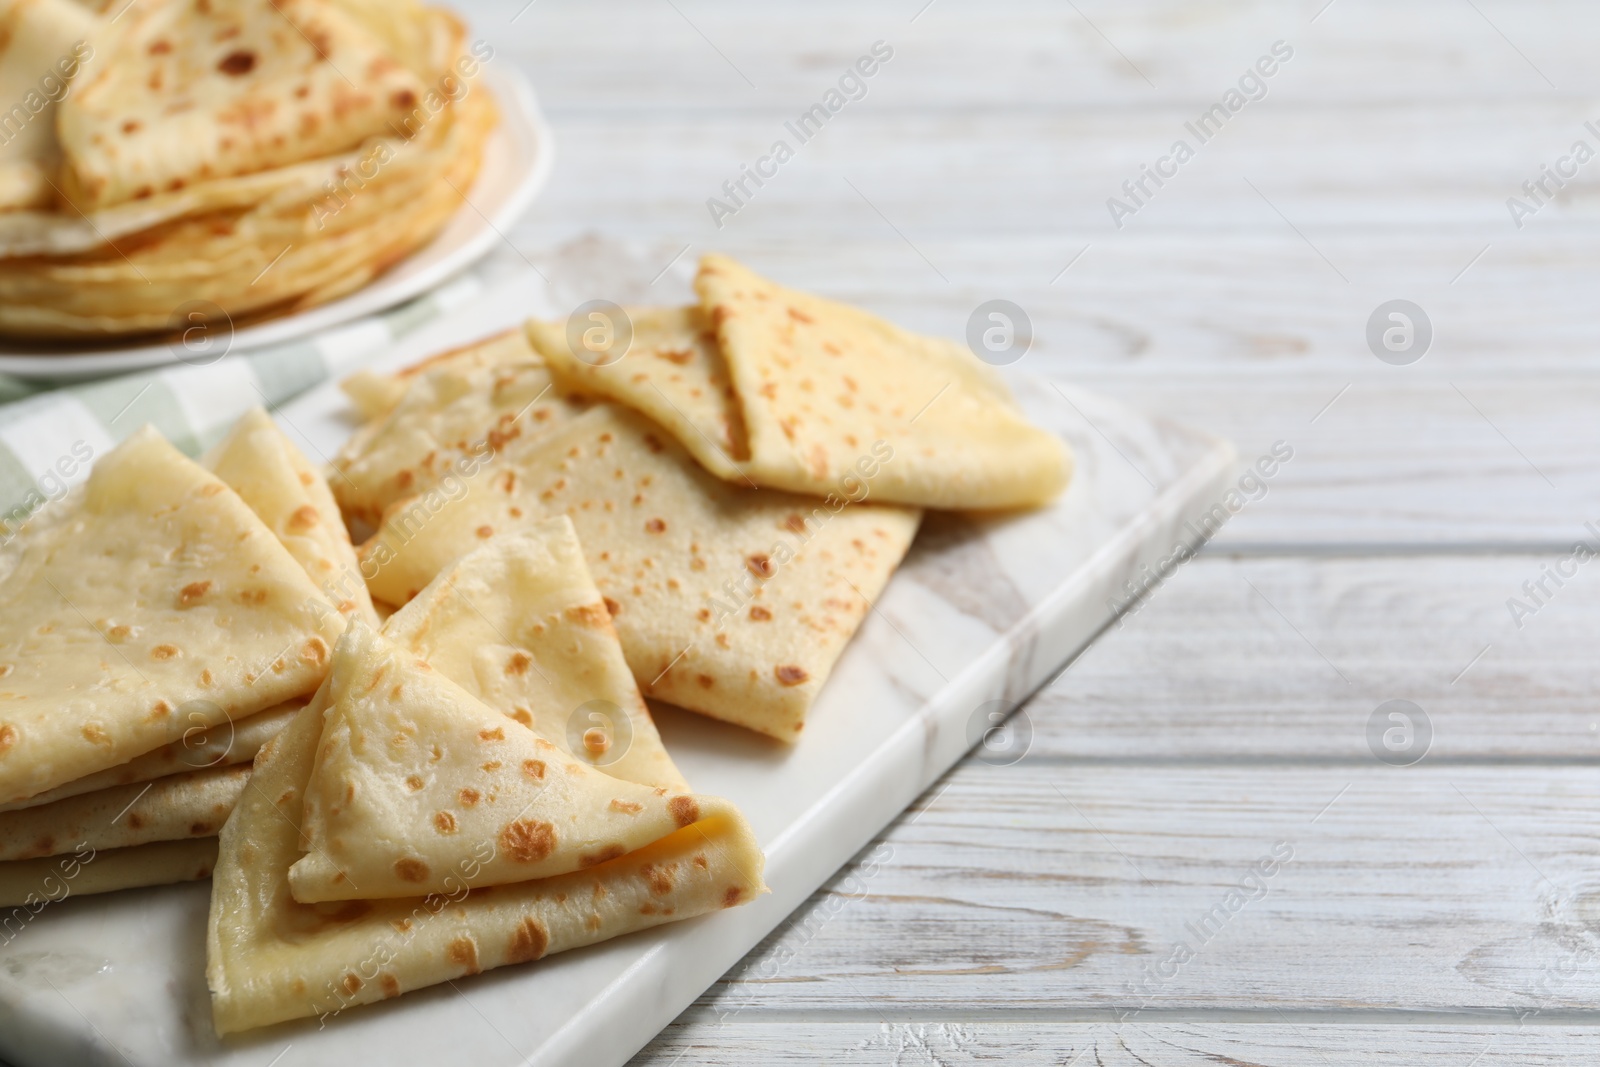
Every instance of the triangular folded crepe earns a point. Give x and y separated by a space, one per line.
270 959
33 884
824 397
168 809
674 372
184 92
413 774
216 746
520 625
264 467
153 602
455 413
734 603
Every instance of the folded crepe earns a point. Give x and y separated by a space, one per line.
734 603
412 769
264 467
33 884
451 418
520 625
180 806
153 602
773 387
43 44
184 92
375 393
270 958
200 748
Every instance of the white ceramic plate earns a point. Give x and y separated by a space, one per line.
981 613
516 164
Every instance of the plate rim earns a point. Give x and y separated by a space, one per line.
520 118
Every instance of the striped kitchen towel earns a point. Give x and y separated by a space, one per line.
49 435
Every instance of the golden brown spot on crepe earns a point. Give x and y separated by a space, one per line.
160 47
588 614
390 984
732 896
306 478
237 63
605 855
116 635
469 797
800 316
205 676
95 733
653 443
160 711
759 613
211 489
722 641
518 663
200 829
612 607
444 822
655 526
704 614
415 782
524 716
404 479
352 984
660 879
485 531
402 925
528 941
706 681
533 768
192 592
788 674
44 846
298 987
515 513
498 733
592 923
647 908
596 741
700 860
252 596
528 840
626 807
8 738
761 565
136 821
408 869
304 518
315 651
684 810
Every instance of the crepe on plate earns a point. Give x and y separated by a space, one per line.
280 485
732 602
153 602
520 625
270 958
773 387
243 175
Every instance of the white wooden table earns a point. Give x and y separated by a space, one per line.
1029 912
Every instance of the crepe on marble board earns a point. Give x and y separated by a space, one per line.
732 602
773 387
270 958
179 806
151 602
261 464
520 625
412 770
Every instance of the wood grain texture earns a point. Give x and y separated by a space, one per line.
1441 911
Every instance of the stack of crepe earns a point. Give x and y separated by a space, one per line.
170 163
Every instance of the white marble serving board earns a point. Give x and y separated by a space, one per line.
981 611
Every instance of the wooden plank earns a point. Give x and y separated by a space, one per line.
1285 1042
1256 654
1008 55
1067 892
